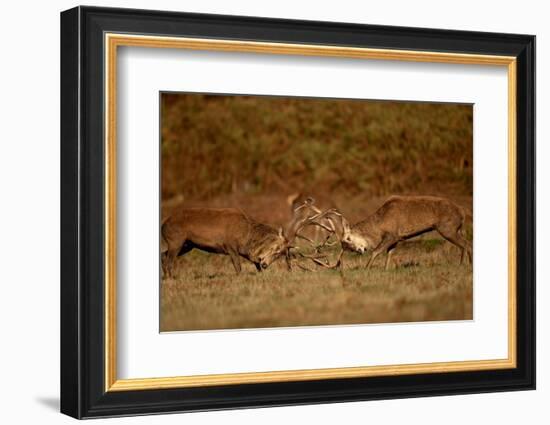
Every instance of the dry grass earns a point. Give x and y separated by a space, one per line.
427 284
251 152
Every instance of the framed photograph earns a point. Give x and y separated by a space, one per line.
261 212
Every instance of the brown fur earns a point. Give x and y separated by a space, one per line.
220 231
403 217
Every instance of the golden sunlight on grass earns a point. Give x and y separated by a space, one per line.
427 284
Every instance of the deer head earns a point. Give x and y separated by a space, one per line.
273 248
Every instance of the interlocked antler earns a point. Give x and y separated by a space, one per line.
316 218
291 232
304 211
328 216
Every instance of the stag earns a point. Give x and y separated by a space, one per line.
401 218
225 231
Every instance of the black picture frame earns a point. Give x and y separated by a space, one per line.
83 392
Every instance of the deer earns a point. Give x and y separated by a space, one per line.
226 231
403 217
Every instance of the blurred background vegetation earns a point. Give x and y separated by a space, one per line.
217 145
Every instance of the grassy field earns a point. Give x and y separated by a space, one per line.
425 283
252 152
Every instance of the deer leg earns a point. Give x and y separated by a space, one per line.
163 264
453 235
388 257
371 259
235 260
169 260
387 242
468 246
468 250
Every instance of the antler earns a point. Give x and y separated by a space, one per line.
328 215
296 223
315 219
325 264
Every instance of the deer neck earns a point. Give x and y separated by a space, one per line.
257 234
368 230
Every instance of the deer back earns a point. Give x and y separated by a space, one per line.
209 227
407 215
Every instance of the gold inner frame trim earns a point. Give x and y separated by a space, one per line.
113 41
